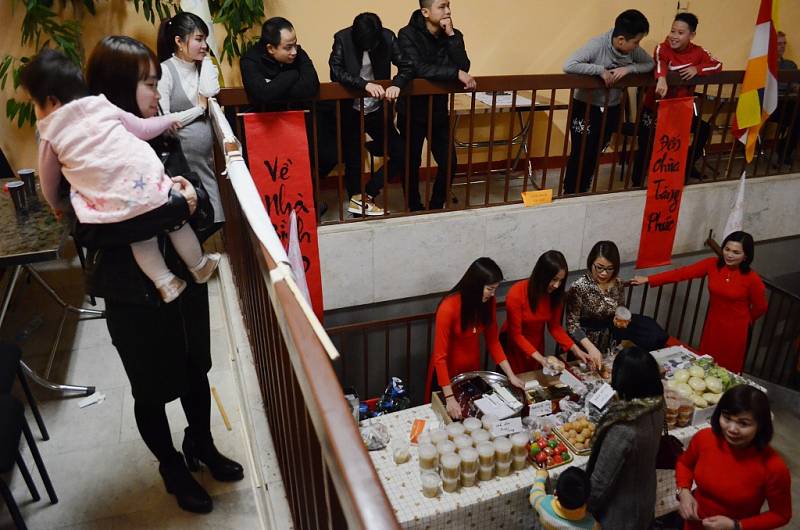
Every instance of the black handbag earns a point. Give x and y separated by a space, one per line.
669 450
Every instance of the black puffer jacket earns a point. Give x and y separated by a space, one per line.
434 57
271 85
345 61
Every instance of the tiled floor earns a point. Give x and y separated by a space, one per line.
103 474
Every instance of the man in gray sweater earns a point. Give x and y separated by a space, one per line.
611 56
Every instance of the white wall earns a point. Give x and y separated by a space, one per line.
383 260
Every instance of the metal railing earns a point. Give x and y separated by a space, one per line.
373 351
328 476
513 137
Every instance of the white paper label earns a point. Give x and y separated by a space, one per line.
573 382
542 408
601 398
507 427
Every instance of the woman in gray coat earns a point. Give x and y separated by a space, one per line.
622 466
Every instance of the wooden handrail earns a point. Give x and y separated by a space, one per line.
334 91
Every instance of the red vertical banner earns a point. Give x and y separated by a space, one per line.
277 154
665 181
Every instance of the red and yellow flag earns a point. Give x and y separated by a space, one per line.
759 95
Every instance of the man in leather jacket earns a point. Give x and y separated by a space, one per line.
436 50
361 54
278 75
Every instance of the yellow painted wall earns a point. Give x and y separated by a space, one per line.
502 37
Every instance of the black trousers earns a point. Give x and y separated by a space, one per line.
588 132
351 148
151 418
326 140
701 131
788 132
440 148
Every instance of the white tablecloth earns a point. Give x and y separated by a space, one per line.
499 503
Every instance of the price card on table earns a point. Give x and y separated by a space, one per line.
507 427
601 398
542 408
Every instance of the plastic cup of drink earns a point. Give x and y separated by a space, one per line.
451 485
431 483
445 447
450 464
480 436
469 460
428 457
486 472
469 479
519 442
28 177
502 468
16 188
462 441
471 425
424 438
488 421
486 454
400 452
519 462
454 429
502 449
438 435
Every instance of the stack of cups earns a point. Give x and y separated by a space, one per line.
28 178
424 438
519 449
469 467
502 449
488 421
486 459
451 471
454 429
446 447
430 483
479 436
471 425
462 441
428 457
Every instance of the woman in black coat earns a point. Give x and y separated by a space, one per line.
165 348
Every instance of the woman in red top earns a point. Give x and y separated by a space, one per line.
466 312
735 469
736 298
533 304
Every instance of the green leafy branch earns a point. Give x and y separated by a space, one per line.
238 17
151 8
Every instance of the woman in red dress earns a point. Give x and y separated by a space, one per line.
735 469
533 304
468 311
736 298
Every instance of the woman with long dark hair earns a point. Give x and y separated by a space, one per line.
189 77
736 298
165 348
533 304
622 466
466 312
738 443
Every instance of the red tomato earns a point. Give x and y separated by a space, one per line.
542 443
560 448
541 458
558 460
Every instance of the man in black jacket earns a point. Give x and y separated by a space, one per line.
278 74
436 50
361 54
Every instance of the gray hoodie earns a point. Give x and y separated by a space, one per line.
598 55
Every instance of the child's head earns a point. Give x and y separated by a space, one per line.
52 80
572 488
435 11
630 27
683 30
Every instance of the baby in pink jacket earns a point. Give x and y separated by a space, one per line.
113 173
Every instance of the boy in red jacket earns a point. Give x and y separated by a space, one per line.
676 54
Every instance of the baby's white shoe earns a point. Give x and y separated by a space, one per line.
171 289
203 272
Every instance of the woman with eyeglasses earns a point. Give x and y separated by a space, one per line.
592 301
736 298
468 311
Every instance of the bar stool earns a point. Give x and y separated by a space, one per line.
12 426
10 356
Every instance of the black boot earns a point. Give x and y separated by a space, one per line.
198 450
190 494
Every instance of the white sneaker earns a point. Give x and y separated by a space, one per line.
362 204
